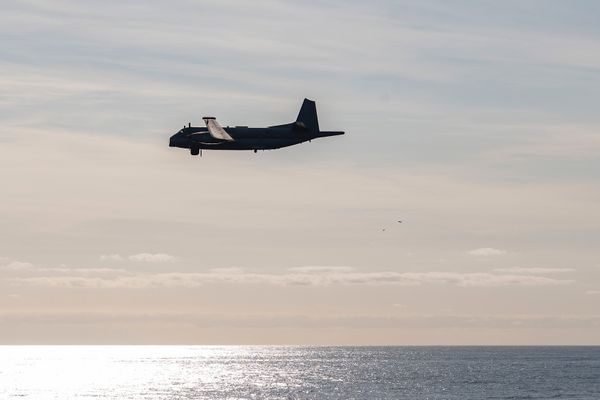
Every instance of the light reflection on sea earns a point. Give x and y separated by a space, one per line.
296 372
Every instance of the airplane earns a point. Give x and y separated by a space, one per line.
215 137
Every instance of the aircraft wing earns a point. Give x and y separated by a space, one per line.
216 130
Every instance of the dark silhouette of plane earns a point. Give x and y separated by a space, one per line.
215 137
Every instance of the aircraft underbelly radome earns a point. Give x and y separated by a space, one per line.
215 137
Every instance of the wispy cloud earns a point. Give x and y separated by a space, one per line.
141 257
534 270
17 266
153 258
83 271
256 320
322 277
32 269
320 269
486 252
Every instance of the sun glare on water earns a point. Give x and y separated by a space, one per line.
49 372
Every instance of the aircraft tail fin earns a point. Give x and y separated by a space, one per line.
307 117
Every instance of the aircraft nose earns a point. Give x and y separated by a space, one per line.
174 141
179 140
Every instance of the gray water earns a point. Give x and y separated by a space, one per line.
298 372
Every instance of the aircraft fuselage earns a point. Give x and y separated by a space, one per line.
214 137
245 138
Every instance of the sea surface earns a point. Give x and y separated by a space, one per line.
298 372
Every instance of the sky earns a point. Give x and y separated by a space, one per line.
474 123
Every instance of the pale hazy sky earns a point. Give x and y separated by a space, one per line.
476 123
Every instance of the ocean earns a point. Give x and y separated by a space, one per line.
298 372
